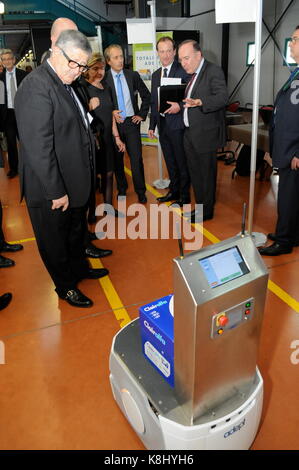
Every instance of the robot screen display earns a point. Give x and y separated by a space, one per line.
223 266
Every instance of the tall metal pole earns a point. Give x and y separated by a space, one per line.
255 110
159 183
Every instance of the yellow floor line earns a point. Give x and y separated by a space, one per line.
116 304
280 293
283 295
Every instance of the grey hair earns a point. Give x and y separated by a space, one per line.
75 39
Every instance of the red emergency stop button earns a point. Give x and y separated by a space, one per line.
223 320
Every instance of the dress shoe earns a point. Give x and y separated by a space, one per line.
195 217
272 237
5 300
94 252
275 250
95 273
12 173
75 298
168 197
6 262
12 247
181 202
142 199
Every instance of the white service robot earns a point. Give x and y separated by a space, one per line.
209 395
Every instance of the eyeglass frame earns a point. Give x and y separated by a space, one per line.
82 68
294 39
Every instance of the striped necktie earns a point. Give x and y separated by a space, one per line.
165 73
189 84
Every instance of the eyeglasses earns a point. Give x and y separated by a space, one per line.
294 39
73 64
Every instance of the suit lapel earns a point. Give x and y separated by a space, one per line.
199 78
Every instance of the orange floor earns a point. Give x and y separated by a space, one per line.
54 386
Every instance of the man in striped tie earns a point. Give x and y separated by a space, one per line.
11 78
284 150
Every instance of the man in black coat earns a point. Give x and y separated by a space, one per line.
204 117
11 77
170 125
125 85
57 164
284 150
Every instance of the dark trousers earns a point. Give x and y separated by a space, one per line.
130 135
11 133
172 144
287 228
60 240
203 173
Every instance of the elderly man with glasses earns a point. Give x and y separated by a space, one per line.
57 164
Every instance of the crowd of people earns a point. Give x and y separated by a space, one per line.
74 122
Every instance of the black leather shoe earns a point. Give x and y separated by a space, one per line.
95 273
275 250
6 262
196 218
75 298
5 300
94 252
12 247
142 199
272 237
181 202
168 197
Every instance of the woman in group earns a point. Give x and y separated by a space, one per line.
100 104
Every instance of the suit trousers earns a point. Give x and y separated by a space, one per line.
11 133
203 173
287 228
130 135
60 240
171 141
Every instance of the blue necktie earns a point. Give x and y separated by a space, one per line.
120 97
291 78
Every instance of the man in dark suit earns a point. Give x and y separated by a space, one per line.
204 118
284 150
57 164
170 125
125 86
11 77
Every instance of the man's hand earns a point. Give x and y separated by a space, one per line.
62 202
174 108
192 103
151 134
117 115
136 119
295 163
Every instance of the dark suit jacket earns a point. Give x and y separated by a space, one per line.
174 121
136 85
284 126
207 122
56 146
20 75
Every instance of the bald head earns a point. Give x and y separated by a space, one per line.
59 25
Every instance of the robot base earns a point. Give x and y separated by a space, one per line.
150 405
